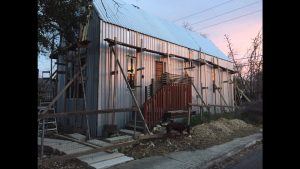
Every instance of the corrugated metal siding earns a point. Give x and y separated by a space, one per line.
124 99
128 16
75 105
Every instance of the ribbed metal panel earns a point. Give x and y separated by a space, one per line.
124 100
128 16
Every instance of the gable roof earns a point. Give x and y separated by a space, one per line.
134 18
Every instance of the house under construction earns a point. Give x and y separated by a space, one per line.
166 68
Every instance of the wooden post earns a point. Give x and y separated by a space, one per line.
205 82
42 139
168 58
88 136
189 115
135 101
200 77
141 74
110 92
115 79
214 83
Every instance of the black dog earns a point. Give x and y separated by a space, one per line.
178 127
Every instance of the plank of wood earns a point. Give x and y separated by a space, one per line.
75 140
105 111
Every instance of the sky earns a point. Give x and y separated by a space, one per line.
240 19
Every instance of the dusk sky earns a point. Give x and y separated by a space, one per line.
240 19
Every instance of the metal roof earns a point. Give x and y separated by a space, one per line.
134 18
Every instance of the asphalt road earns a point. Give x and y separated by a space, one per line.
251 160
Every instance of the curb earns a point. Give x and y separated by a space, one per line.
229 154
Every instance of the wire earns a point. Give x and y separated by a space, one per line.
230 19
196 13
224 13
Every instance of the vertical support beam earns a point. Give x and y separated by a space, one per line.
214 83
141 73
135 101
42 139
110 91
168 58
220 85
115 80
189 115
199 77
50 78
88 136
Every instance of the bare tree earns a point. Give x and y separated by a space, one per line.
187 26
249 75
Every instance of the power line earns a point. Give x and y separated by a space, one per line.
230 19
196 13
225 13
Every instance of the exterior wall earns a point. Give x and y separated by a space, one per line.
202 74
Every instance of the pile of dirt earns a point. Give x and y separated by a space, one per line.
202 136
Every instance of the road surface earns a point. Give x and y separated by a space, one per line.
251 160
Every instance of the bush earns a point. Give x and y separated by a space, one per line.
208 117
251 112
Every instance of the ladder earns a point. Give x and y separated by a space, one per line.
49 125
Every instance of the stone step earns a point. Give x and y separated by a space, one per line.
130 132
77 150
131 127
111 162
99 142
99 157
119 139
77 136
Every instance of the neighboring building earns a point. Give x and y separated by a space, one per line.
166 47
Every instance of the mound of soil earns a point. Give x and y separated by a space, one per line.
202 136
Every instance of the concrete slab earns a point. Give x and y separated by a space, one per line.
96 157
130 132
50 140
154 162
68 146
191 159
99 142
77 136
77 150
111 162
92 155
119 139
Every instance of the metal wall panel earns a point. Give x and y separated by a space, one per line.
123 98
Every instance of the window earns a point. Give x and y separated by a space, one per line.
131 62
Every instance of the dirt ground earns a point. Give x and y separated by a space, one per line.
202 136
66 164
